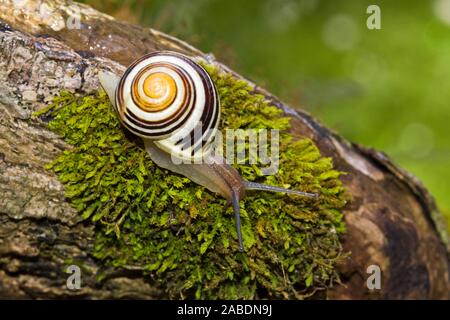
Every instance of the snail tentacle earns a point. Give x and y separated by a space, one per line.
265 187
237 216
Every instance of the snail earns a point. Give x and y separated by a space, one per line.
163 97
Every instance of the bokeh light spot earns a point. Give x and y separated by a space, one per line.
340 32
441 9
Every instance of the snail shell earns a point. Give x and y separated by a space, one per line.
169 98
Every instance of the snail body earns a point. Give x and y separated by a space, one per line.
170 101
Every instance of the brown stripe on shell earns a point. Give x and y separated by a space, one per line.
211 101
182 113
147 68
155 125
189 91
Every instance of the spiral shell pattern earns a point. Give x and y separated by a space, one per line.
169 98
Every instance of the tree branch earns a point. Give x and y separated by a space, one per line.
392 220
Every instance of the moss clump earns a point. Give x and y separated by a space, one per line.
176 230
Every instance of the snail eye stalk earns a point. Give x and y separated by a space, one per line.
237 216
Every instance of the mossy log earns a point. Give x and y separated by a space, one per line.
392 221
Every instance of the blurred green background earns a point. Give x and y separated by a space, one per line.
388 88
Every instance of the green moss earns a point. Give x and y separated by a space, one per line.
176 231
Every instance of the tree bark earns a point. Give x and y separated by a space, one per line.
392 220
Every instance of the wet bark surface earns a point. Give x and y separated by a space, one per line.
392 220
